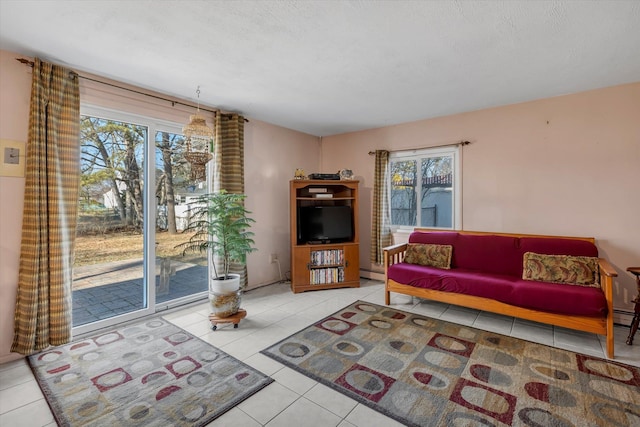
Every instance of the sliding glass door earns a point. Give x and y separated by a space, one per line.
135 187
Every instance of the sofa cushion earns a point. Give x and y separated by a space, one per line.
542 296
557 246
488 253
567 269
432 255
500 254
456 280
560 298
434 237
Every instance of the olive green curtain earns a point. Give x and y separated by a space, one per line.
52 176
229 166
380 230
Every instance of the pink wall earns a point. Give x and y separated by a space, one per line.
15 86
272 154
560 166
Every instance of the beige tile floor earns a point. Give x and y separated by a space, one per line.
275 313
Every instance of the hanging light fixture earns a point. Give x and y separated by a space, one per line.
198 141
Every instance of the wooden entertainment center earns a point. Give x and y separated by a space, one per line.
324 264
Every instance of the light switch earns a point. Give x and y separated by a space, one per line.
11 155
12 158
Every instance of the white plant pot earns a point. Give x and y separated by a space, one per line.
225 296
226 286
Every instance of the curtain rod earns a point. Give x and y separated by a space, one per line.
173 102
463 143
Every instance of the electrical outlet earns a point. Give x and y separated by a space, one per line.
273 258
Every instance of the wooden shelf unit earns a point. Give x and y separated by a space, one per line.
330 265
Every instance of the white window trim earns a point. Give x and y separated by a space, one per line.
454 151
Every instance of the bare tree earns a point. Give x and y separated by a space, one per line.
403 192
112 157
109 151
167 195
132 180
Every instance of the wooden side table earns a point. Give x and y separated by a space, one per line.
636 317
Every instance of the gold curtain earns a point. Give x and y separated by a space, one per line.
43 305
229 166
380 230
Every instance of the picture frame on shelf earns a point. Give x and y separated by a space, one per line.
346 174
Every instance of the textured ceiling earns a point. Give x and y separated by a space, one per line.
328 67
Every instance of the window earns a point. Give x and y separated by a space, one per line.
425 188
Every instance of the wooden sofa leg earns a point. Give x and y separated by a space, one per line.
387 297
610 346
610 335
610 342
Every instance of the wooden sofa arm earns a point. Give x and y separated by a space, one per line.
606 268
393 254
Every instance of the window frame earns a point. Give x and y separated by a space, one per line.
455 152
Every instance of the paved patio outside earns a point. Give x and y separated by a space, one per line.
106 290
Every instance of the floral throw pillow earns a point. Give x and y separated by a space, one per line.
431 255
571 270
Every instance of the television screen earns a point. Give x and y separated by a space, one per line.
324 224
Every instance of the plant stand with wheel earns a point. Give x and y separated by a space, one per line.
235 319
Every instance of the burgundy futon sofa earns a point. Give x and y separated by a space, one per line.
485 272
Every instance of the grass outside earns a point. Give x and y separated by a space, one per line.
116 246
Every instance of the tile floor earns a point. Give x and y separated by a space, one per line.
293 399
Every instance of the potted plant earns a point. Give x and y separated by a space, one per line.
220 224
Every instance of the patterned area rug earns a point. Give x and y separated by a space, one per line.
427 372
147 374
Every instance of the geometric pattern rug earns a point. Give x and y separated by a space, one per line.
427 372
151 373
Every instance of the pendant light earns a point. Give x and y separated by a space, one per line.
198 141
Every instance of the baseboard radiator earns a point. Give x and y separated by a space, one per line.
622 317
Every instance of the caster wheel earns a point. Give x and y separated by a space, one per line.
235 326
214 327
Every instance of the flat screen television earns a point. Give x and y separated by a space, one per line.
324 224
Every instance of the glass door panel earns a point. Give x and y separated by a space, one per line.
179 277
108 272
